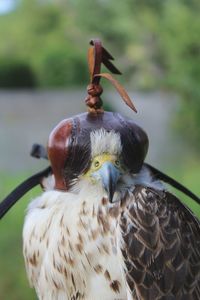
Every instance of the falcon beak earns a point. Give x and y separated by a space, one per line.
109 175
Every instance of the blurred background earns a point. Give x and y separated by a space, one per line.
43 79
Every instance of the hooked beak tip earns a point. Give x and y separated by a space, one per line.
110 194
109 175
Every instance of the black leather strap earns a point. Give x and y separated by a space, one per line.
161 176
22 189
39 151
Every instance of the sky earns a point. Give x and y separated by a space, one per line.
6 6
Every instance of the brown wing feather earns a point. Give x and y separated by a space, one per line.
160 247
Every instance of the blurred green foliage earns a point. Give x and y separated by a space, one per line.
156 44
16 74
13 280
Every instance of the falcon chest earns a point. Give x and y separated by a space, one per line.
79 257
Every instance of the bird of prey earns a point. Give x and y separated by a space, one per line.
106 227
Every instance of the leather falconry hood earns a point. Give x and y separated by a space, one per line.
69 147
69 142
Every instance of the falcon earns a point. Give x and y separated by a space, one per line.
105 226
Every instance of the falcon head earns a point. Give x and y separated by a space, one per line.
106 165
105 169
103 150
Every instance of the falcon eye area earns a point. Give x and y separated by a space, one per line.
96 164
117 163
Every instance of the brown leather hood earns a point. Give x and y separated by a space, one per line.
69 147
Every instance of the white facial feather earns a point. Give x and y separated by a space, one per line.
105 142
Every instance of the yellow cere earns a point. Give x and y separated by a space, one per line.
99 160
